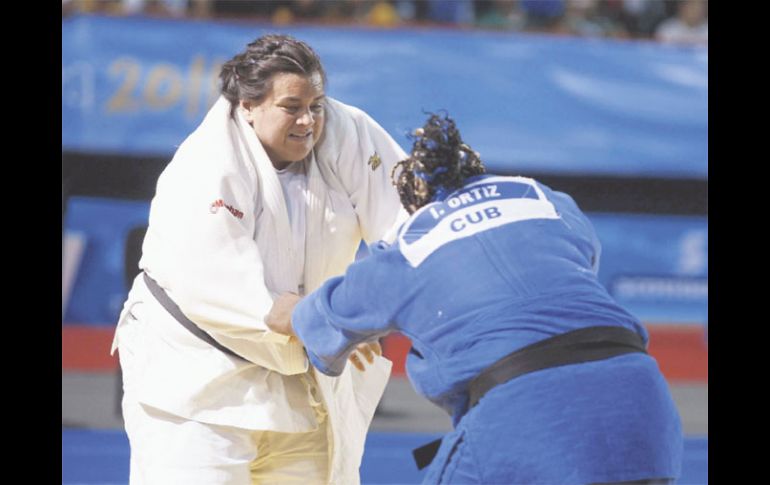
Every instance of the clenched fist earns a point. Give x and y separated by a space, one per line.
279 317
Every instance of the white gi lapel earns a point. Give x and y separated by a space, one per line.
328 249
315 249
274 233
320 181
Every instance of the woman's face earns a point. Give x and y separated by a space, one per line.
290 118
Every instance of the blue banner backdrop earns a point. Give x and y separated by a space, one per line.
527 103
656 266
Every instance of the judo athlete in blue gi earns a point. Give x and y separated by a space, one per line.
486 266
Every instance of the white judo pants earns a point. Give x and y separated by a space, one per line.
169 450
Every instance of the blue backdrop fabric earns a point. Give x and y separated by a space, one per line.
527 103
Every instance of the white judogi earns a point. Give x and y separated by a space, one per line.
219 241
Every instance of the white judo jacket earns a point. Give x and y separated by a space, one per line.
218 238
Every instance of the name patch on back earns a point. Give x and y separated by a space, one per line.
481 206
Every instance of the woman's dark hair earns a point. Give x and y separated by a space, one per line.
439 164
249 75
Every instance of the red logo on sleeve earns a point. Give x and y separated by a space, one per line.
214 208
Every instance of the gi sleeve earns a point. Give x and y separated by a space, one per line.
200 248
363 164
362 305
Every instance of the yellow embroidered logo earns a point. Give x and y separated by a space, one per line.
374 161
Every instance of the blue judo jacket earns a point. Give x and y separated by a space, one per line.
499 264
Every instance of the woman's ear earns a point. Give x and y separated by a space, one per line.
247 108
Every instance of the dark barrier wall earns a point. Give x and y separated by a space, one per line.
134 177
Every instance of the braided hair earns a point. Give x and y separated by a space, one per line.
249 75
439 164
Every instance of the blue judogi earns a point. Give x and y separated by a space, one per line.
497 265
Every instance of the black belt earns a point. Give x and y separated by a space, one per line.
582 345
180 317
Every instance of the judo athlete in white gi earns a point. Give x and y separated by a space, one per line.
270 195
486 267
